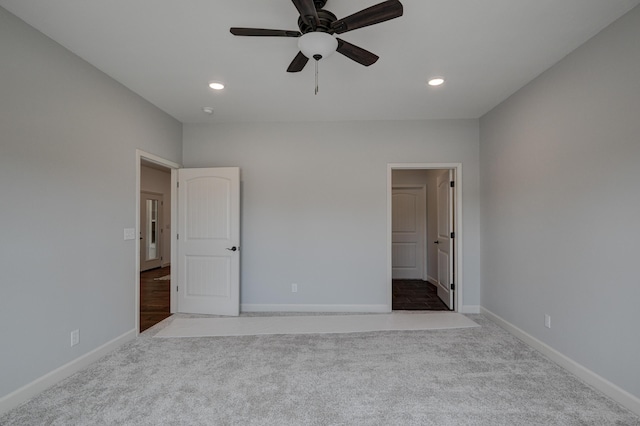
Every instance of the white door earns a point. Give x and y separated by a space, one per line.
408 222
445 239
208 241
150 230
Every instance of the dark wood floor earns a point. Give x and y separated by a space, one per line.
416 295
154 297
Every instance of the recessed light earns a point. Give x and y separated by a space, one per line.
208 110
216 86
438 81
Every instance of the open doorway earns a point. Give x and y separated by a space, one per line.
423 251
154 220
155 243
209 273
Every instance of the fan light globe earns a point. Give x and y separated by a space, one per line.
317 43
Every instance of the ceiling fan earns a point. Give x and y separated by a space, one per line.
318 26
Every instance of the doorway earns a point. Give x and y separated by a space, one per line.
424 254
212 275
154 251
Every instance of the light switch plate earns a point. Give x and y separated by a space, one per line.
75 337
129 233
547 320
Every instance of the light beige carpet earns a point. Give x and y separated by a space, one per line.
248 326
478 376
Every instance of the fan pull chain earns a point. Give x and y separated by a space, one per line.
317 77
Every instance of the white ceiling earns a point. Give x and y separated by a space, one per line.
167 51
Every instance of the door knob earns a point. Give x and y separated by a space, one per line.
234 248
436 242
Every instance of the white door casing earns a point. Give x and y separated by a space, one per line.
408 232
208 241
445 240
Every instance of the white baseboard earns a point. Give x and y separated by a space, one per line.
30 390
431 279
249 307
469 309
613 391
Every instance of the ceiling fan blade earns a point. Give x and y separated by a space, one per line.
261 32
384 11
298 63
356 53
308 12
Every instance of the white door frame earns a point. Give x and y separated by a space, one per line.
458 263
142 155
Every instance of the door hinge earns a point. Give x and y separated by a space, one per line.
177 288
453 286
177 184
177 236
453 235
453 184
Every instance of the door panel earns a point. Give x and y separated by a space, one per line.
408 219
444 241
208 240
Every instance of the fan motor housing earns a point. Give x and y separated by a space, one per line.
325 19
319 4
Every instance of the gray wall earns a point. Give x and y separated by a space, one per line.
314 202
561 205
68 135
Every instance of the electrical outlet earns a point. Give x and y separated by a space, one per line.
75 337
547 320
294 288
